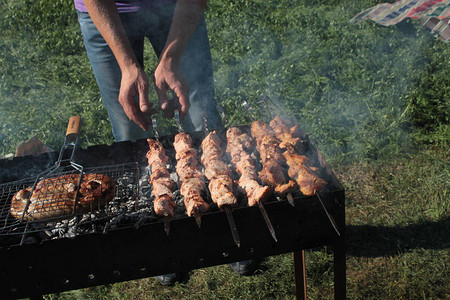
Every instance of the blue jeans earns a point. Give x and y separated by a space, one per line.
196 67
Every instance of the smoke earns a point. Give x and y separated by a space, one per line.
347 85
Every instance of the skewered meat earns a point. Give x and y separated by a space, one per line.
190 176
300 166
306 178
291 136
221 188
57 197
162 185
239 148
220 182
273 161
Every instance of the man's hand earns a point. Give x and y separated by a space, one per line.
135 83
168 78
168 75
134 80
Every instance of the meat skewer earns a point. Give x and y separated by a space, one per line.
300 167
239 147
161 182
273 161
191 179
220 183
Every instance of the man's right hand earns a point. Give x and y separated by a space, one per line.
168 78
134 83
134 80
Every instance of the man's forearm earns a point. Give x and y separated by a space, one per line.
185 19
106 18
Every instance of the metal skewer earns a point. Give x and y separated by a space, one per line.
166 219
222 115
198 219
330 217
233 227
266 218
176 114
155 125
290 199
227 209
167 225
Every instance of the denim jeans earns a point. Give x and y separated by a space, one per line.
196 67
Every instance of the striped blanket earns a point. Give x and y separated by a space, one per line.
433 14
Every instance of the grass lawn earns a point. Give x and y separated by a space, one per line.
374 100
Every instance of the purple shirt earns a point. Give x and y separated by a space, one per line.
127 5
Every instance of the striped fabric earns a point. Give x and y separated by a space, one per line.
433 14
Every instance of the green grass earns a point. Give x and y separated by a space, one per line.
375 101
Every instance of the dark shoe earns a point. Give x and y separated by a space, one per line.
167 279
245 267
171 278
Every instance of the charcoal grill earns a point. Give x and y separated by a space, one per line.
119 245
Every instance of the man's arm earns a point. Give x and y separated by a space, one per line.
134 82
168 75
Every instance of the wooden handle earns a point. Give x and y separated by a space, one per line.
74 125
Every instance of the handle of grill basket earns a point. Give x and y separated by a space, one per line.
71 141
74 126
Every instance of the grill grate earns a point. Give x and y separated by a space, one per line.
67 224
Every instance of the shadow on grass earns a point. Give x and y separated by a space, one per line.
375 241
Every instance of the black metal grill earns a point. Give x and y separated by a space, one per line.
41 258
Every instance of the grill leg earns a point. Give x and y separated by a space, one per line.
339 270
300 275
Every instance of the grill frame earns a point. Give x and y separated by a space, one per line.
130 253
10 226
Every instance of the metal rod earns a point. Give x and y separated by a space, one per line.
223 115
176 114
167 225
266 218
155 125
290 199
198 219
330 217
77 193
249 109
233 227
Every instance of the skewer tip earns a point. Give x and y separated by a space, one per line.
233 227
268 222
198 219
290 199
167 225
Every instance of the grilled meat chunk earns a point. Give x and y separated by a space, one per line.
56 198
221 188
162 185
191 179
239 147
300 166
274 168
220 182
291 136
306 176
